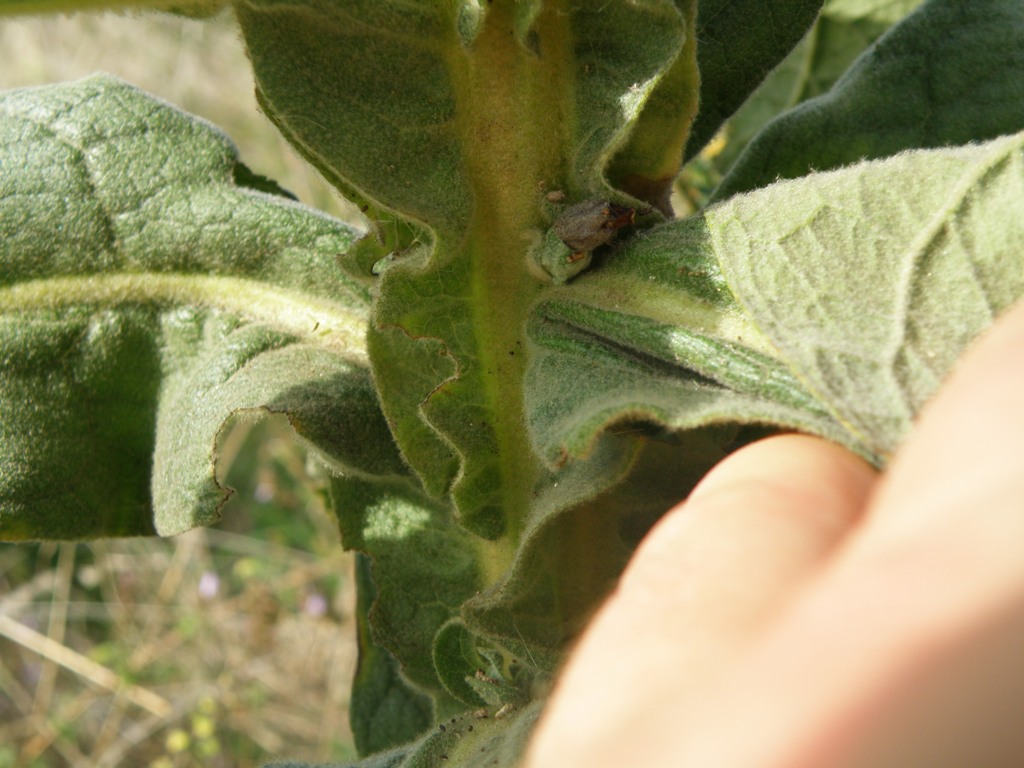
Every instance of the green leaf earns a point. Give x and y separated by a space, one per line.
467 739
594 368
855 292
651 158
153 289
950 73
739 42
390 759
655 335
378 119
384 710
842 32
145 299
458 661
871 281
498 644
587 520
193 8
464 124
424 568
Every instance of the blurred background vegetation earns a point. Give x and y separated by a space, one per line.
226 646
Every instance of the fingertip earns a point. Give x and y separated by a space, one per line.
700 588
772 508
792 465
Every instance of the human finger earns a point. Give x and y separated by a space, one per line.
906 652
710 574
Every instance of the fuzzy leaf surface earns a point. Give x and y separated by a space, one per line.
470 738
739 43
655 335
193 8
836 304
479 123
646 166
384 710
841 33
145 299
948 74
461 117
424 568
923 251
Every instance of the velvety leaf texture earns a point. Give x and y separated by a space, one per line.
471 739
740 41
929 82
587 520
481 125
383 92
923 251
195 8
841 33
493 115
424 568
144 300
846 281
384 710
648 163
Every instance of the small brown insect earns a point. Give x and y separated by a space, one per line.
590 224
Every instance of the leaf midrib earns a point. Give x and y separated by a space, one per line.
322 322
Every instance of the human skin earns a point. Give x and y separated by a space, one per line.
801 610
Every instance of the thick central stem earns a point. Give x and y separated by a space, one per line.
512 128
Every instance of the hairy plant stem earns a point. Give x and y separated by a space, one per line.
513 156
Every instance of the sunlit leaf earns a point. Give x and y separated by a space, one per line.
145 298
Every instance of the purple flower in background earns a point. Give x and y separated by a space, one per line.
315 605
264 492
209 585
